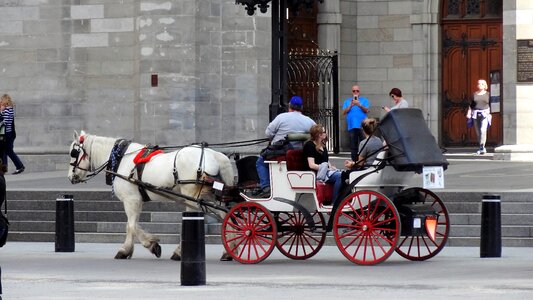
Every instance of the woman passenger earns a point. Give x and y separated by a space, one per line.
316 156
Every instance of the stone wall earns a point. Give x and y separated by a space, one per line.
387 44
72 65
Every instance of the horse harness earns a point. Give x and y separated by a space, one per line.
119 151
143 157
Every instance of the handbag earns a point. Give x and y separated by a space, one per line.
277 149
470 123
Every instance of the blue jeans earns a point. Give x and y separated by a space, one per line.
336 180
10 152
262 172
356 136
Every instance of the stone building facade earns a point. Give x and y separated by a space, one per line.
173 72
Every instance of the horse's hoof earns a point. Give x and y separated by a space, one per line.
226 257
156 250
122 255
175 257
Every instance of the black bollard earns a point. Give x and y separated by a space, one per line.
491 231
65 224
192 249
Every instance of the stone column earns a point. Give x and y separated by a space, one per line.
329 21
517 108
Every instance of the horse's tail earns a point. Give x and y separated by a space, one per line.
226 169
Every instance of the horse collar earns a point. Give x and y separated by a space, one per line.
120 147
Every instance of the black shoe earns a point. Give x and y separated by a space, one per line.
18 171
265 193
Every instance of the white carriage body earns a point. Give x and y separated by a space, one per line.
301 186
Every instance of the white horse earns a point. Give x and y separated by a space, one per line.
90 153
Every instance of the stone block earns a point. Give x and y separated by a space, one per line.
19 13
90 40
396 48
375 35
10 27
399 73
123 39
120 10
372 8
86 11
394 21
117 68
400 7
362 22
374 61
112 25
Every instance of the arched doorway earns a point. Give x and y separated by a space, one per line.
471 49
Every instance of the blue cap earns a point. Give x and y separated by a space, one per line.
296 100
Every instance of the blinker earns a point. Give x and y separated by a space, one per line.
74 153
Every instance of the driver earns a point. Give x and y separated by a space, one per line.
283 124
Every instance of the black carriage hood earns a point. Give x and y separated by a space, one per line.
411 144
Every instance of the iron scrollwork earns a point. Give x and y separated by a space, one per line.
464 43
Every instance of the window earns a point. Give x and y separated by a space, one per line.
472 9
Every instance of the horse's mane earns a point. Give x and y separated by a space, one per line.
98 147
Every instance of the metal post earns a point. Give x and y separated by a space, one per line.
192 249
491 231
65 224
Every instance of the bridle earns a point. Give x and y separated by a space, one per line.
79 153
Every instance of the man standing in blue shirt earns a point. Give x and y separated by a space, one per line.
355 109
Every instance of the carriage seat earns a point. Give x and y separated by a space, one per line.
296 162
297 139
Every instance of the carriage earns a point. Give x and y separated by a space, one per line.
376 215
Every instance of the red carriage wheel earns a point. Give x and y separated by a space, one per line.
295 238
249 232
422 247
366 227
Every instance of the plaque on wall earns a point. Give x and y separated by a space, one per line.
524 61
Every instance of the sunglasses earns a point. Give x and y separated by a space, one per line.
353 91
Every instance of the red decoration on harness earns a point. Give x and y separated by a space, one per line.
145 155
82 139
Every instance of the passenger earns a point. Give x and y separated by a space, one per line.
283 124
369 147
316 155
399 101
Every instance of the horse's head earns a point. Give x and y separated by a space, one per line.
79 159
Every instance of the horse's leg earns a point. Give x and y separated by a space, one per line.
225 255
149 241
132 208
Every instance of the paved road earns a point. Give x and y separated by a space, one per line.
34 271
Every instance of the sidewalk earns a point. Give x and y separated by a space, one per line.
463 174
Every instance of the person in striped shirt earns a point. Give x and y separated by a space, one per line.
8 118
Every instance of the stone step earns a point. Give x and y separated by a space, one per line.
100 217
475 242
506 231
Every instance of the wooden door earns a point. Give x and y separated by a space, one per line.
471 50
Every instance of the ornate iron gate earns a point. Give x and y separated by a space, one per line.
313 75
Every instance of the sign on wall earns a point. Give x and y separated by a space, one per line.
524 61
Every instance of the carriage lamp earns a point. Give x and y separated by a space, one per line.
293 5
251 4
